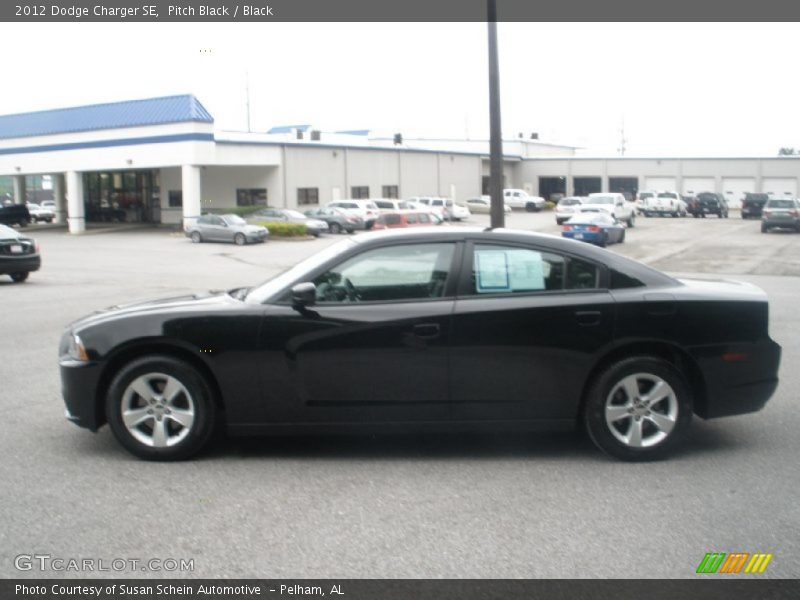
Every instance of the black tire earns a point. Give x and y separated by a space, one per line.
764 228
23 223
19 277
195 389
603 240
196 237
335 228
696 216
631 222
240 239
622 237
608 393
559 221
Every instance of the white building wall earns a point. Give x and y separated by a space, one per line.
419 172
322 168
459 176
219 185
372 168
170 180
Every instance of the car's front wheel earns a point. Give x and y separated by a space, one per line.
19 277
335 228
160 408
239 239
196 237
638 409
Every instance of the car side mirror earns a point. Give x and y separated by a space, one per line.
304 295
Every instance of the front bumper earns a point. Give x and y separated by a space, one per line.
79 383
20 264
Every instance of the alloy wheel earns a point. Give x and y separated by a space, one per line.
641 410
157 410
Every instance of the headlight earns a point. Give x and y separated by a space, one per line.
75 348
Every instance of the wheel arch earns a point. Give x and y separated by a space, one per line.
129 353
671 353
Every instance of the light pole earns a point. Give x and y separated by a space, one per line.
497 212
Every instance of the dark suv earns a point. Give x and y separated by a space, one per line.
708 203
753 205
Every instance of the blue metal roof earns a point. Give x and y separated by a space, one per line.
288 128
115 115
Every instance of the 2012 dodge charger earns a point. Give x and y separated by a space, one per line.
428 330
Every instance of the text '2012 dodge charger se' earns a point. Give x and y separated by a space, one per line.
428 330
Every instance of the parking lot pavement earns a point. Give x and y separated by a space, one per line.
405 506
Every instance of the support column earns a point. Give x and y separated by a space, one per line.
191 186
59 197
19 189
76 209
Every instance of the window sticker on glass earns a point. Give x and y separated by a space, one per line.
492 270
512 270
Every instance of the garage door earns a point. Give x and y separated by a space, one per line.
659 183
779 186
695 185
735 188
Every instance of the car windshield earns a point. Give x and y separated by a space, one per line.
601 199
234 220
293 214
274 285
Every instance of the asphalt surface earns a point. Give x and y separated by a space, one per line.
410 506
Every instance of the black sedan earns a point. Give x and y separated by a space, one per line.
19 254
428 330
338 221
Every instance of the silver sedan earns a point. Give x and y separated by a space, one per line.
225 228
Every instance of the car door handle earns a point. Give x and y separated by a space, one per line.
588 317
426 330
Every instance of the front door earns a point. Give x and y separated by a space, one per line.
374 347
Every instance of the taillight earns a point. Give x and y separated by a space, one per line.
567 227
767 213
793 213
593 228
36 246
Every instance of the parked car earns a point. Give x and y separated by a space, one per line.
19 254
521 199
225 228
443 207
641 199
781 213
14 214
500 329
391 204
665 203
39 213
337 219
708 203
49 205
405 218
753 205
600 228
613 203
567 207
366 210
314 227
483 205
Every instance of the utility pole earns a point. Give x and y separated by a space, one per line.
497 211
622 139
247 100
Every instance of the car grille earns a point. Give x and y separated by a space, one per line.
6 245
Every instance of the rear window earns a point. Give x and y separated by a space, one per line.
569 202
668 195
780 204
384 204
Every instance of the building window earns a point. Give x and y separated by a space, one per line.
251 197
175 198
390 191
307 196
359 191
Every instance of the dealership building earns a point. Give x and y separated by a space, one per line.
162 161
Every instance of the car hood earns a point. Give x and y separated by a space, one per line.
186 303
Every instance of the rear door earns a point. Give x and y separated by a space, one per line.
527 325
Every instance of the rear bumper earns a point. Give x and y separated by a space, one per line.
20 264
79 383
738 380
788 222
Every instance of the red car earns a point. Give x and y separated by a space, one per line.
405 218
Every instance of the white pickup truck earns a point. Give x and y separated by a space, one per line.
665 203
613 203
520 199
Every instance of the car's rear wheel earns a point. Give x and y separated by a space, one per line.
631 222
622 237
240 239
335 228
160 408
196 237
19 277
603 242
764 228
638 409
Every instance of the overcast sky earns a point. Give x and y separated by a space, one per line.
681 89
